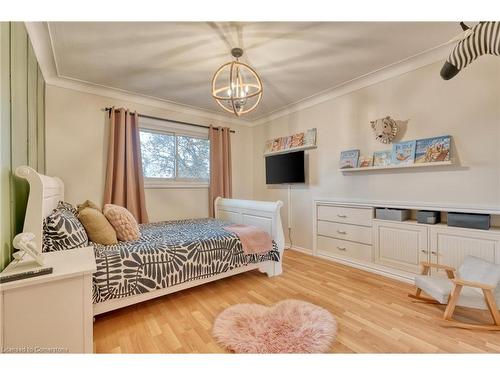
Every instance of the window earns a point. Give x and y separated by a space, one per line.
174 158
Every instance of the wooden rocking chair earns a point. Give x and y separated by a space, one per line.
476 285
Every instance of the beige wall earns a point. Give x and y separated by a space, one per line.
76 152
467 107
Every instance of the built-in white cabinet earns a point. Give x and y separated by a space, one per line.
399 245
349 233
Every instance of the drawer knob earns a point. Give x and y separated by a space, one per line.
424 251
341 248
342 216
434 253
341 232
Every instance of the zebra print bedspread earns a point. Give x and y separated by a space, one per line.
167 254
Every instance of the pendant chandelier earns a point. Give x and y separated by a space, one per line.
236 87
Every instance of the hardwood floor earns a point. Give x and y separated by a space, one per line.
374 314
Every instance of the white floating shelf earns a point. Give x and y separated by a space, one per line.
416 165
288 150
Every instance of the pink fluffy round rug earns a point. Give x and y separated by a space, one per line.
290 326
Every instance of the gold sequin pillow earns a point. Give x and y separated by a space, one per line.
123 221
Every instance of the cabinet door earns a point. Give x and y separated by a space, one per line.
450 246
400 245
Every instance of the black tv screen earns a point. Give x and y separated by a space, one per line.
285 168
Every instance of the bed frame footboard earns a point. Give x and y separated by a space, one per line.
264 215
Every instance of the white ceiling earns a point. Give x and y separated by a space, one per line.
175 61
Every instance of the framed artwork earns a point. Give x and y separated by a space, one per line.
432 150
349 159
382 158
403 153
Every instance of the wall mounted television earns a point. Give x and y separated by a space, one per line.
285 168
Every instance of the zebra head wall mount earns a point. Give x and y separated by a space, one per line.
481 39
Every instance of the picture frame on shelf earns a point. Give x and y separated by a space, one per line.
403 153
431 150
349 159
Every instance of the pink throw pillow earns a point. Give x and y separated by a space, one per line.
123 221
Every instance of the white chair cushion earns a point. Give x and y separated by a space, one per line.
439 288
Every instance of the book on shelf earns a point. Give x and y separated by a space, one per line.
431 150
310 137
365 161
297 140
349 159
403 153
382 158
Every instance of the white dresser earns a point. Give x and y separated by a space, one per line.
344 231
347 232
50 313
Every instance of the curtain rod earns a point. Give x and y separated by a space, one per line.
108 109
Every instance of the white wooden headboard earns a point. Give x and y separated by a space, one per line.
45 192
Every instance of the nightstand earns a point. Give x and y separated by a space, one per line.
49 313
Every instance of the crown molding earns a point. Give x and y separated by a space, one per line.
396 69
43 47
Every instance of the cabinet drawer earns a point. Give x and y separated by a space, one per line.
349 215
345 231
332 246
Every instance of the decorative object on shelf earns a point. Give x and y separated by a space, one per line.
269 146
349 159
394 214
310 137
298 140
403 153
382 158
236 87
431 150
482 39
385 129
428 217
469 220
365 161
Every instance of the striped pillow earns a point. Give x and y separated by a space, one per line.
62 230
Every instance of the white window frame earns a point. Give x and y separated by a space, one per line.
172 128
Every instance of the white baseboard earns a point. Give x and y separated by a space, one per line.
369 267
373 268
299 249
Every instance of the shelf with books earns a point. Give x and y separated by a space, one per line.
400 166
291 149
